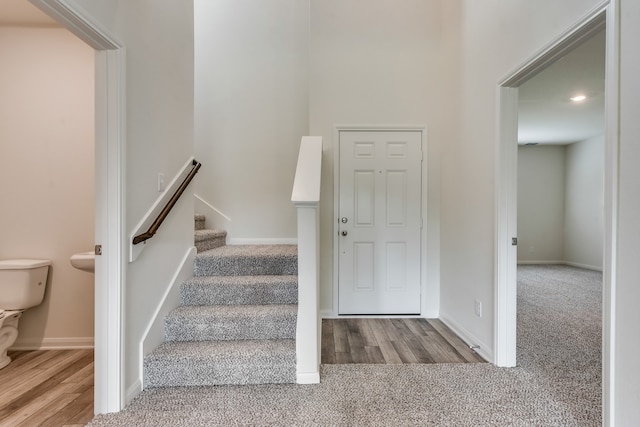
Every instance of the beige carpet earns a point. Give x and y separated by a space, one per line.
557 382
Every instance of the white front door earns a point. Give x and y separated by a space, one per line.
380 220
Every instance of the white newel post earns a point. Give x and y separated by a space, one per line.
306 198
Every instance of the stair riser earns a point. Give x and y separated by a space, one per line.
234 294
236 327
246 266
204 329
209 244
178 373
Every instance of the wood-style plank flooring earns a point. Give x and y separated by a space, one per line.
55 387
392 341
47 388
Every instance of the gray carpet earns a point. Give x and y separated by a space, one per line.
557 382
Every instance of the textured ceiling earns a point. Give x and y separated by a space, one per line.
547 115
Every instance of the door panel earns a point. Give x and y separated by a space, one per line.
380 222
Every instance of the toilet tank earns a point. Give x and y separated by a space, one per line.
22 283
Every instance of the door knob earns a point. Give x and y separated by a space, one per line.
344 220
344 232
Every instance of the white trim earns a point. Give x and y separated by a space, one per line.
134 390
62 343
303 378
211 207
585 266
74 18
609 12
612 112
327 315
153 334
590 23
483 349
569 263
506 227
541 262
110 149
336 204
110 276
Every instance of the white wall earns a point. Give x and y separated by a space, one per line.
495 38
377 62
561 203
584 204
298 67
158 38
541 203
47 175
252 108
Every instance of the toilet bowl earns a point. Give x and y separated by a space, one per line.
22 285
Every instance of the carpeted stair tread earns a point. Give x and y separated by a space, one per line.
231 322
221 362
236 290
247 260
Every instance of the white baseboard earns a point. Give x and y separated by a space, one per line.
330 315
65 343
132 392
536 262
263 241
153 335
569 263
327 314
585 266
483 349
308 378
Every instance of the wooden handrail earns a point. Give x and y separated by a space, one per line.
170 204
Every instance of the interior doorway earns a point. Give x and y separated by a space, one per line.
109 166
506 179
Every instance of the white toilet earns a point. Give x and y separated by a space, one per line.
22 284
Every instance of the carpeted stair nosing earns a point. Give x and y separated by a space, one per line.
208 363
247 260
237 319
235 290
231 322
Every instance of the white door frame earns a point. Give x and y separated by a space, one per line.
109 166
506 189
336 206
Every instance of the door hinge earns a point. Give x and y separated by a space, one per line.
514 241
98 250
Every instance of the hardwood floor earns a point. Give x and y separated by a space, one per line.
47 388
392 341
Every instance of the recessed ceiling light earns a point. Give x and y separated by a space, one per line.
578 98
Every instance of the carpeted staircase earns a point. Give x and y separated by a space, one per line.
237 319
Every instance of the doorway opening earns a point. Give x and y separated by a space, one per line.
109 165
604 19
